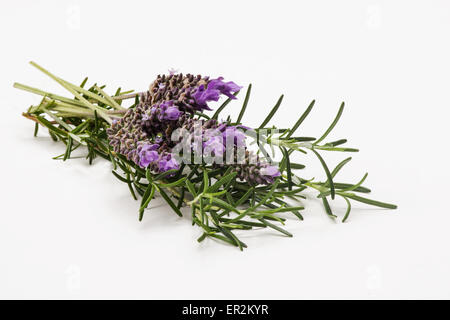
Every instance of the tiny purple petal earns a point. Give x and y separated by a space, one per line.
172 113
225 88
148 154
150 147
236 135
168 163
164 105
270 171
172 164
214 144
202 95
147 157
213 91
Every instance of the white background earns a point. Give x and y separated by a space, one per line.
69 230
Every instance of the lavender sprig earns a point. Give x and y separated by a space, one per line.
222 198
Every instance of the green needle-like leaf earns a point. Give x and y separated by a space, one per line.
172 184
302 118
221 182
119 177
219 110
369 201
68 149
339 166
349 208
336 143
191 187
146 198
333 124
297 166
275 227
361 189
36 129
272 112
327 172
224 205
165 174
327 207
51 127
356 186
170 202
288 167
244 106
83 82
130 186
205 181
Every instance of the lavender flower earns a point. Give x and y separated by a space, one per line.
219 137
188 92
172 113
271 171
176 87
164 111
225 88
214 145
168 162
213 91
148 154
144 134
233 133
202 96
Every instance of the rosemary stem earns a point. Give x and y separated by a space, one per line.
69 87
47 94
64 109
113 102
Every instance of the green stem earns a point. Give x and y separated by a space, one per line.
69 87
47 94
113 103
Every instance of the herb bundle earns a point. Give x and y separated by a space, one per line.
166 143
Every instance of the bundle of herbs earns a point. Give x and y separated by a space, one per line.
170 143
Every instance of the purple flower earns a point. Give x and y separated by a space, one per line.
271 171
214 144
213 91
236 135
172 113
148 154
164 105
165 111
202 96
167 163
224 87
